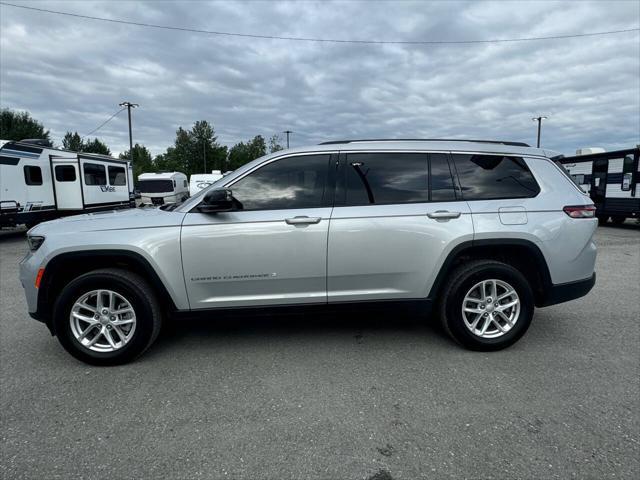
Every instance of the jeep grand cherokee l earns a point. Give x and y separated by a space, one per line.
478 232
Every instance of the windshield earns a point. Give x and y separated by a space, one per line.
155 186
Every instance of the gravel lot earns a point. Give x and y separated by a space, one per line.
305 397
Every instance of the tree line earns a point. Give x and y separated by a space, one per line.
194 150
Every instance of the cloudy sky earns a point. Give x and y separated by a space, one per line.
71 73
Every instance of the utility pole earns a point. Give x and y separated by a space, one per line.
539 120
129 106
204 153
287 132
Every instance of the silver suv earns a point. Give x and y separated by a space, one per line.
480 232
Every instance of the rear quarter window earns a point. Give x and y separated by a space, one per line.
492 177
577 180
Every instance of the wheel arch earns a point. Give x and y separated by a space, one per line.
522 254
66 266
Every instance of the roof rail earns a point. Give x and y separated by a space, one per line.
40 142
499 142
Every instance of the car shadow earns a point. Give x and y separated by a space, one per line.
12 233
628 225
316 327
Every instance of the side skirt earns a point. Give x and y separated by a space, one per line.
411 306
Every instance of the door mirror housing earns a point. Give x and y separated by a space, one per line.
217 200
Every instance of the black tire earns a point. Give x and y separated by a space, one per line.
603 219
461 280
618 220
139 294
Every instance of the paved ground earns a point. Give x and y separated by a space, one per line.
334 397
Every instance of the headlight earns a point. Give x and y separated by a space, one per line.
34 242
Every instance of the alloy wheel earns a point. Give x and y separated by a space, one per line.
491 308
102 320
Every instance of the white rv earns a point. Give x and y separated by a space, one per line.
163 188
198 181
612 179
38 183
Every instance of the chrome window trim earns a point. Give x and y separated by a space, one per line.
286 155
456 152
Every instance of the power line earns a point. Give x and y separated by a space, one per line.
104 123
322 40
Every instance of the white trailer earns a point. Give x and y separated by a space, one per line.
199 181
38 183
612 179
162 188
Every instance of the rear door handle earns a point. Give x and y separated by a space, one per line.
303 220
443 215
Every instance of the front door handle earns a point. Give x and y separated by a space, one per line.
303 220
443 215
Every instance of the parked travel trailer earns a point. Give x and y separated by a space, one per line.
163 188
38 182
612 179
198 181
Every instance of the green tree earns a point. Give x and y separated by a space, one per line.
257 147
274 144
242 153
188 152
168 162
95 146
238 155
16 125
142 161
72 141
206 143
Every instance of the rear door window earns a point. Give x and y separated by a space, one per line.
492 177
385 178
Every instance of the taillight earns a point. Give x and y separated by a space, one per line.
581 211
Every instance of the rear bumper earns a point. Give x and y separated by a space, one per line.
564 292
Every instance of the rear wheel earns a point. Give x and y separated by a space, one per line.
486 305
602 219
107 317
618 220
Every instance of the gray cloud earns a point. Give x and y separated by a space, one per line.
72 73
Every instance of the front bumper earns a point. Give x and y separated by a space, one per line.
564 292
28 273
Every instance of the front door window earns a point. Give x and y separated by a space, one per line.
294 182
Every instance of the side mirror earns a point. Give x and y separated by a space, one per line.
217 200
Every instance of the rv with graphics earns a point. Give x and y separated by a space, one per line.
162 188
612 180
39 182
200 181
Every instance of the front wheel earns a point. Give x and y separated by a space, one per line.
618 220
486 305
107 317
